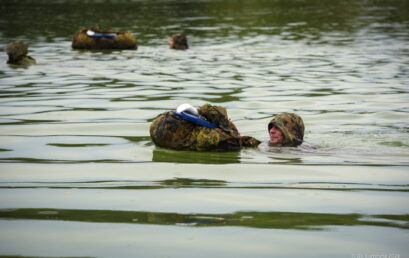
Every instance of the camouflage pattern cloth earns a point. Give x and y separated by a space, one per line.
292 127
17 52
122 40
170 131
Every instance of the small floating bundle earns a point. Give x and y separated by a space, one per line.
94 38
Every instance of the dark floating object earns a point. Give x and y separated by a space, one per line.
94 38
17 52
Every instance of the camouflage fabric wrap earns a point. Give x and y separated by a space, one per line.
122 40
292 127
170 131
17 52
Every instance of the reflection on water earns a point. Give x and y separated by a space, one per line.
164 155
277 220
75 150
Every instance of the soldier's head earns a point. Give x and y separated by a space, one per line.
178 41
286 129
16 51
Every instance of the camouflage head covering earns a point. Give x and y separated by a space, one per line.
180 41
17 52
292 127
122 40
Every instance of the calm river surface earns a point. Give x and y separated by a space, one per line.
80 176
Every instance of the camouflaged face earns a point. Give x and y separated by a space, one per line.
180 41
292 127
122 40
170 131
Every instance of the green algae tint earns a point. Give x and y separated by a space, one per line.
81 177
267 220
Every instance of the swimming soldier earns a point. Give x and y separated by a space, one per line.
209 128
178 41
17 52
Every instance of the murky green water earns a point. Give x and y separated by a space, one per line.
79 175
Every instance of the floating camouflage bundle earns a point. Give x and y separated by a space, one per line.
113 40
170 131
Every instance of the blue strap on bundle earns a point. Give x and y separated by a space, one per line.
195 119
102 35
94 34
